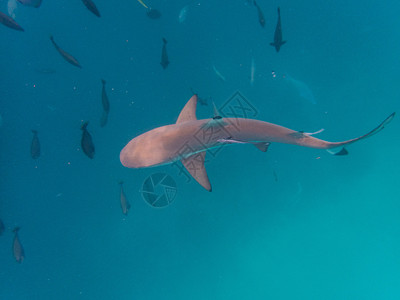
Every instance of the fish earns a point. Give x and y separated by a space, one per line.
261 18
68 57
33 3
92 7
153 13
124 202
104 98
12 8
164 56
252 71
35 145
104 119
275 175
278 42
183 14
189 139
9 22
144 5
18 250
303 90
218 73
87 142
2 227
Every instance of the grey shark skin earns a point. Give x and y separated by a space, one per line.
166 144
278 42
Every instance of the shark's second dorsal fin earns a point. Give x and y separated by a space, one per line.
195 165
188 113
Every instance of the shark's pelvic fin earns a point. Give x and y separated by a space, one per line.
188 113
262 146
338 152
195 165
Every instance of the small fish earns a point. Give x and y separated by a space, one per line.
278 42
183 14
18 250
35 145
9 22
2 227
252 71
261 18
303 90
68 57
218 73
275 175
144 5
33 3
153 13
124 202
104 119
12 8
164 56
92 7
87 142
104 98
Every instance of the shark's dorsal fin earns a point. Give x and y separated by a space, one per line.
188 113
195 165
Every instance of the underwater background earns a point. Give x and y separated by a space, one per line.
292 223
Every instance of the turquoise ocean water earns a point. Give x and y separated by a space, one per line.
292 223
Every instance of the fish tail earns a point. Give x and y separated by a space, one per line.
34 131
16 229
121 182
164 40
83 127
103 81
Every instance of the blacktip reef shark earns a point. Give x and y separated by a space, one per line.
190 138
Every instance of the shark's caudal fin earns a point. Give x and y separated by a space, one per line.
194 163
343 151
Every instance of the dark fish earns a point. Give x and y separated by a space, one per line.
2 227
278 34
35 145
153 13
275 175
68 57
9 22
104 119
260 14
104 98
18 250
124 202
92 7
164 55
86 141
34 3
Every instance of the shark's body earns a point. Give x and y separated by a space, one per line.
189 139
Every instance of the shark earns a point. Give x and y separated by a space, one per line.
189 139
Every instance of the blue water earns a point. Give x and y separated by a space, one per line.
292 223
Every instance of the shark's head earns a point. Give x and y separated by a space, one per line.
152 148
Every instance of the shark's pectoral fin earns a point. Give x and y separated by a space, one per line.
338 151
195 165
283 42
262 146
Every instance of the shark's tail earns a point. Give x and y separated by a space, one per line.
339 147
